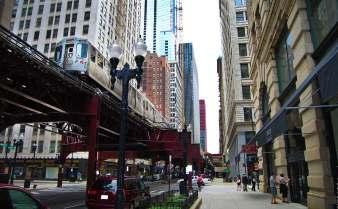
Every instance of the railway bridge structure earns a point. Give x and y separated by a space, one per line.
35 89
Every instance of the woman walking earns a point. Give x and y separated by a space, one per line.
238 182
283 187
273 189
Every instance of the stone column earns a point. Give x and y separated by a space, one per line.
320 181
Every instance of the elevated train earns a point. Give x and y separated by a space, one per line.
80 58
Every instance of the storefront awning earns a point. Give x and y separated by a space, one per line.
327 72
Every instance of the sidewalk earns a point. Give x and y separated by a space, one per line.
221 195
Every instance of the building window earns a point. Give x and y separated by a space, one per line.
240 3
23 12
76 4
40 147
88 3
38 22
57 20
67 18
52 146
40 10
58 7
50 20
55 33
48 34
65 32
248 136
240 16
52 47
86 15
244 70
323 17
85 29
52 8
30 10
25 36
284 60
72 31
246 92
36 35
27 24
69 5
241 32
46 48
74 17
242 50
247 114
21 24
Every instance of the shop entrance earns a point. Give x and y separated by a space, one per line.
297 167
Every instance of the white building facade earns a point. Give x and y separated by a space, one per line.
238 124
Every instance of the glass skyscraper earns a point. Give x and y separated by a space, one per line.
160 27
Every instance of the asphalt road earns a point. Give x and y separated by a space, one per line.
73 196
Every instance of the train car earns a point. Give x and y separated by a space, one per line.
80 58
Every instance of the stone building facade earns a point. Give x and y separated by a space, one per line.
294 68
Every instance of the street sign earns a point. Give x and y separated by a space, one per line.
5 145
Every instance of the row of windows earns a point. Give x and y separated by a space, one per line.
36 147
53 20
53 7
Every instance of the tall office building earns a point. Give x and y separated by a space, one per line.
155 82
5 12
42 24
238 123
160 26
191 97
203 126
162 30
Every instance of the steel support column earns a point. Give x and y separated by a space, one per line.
93 123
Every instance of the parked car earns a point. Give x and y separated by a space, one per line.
103 192
156 177
12 197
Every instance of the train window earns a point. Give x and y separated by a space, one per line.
81 50
92 54
58 53
99 60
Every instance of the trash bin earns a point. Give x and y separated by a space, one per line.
27 183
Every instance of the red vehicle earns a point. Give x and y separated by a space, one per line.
103 193
12 197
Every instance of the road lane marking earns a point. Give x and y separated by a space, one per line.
76 205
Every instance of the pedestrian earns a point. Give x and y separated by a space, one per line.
79 176
283 186
273 188
245 182
238 182
253 183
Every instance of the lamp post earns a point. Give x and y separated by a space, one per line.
34 146
125 75
16 144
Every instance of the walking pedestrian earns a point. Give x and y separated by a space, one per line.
238 182
253 183
283 186
245 182
273 188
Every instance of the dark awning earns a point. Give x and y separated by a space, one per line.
327 72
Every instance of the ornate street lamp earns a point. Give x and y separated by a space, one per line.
125 75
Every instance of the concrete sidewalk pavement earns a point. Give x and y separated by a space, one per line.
224 195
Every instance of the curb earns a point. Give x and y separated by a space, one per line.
197 204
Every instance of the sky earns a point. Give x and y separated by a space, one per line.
201 27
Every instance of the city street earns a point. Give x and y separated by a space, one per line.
221 196
72 195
